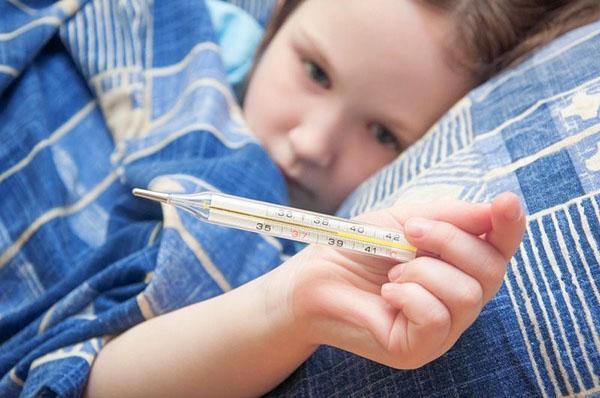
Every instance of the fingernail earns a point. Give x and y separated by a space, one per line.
417 227
395 272
513 213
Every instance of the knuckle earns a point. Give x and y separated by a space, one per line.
447 237
494 268
439 318
471 295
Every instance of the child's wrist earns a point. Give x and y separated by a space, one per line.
282 310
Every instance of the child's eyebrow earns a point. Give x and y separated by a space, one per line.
317 51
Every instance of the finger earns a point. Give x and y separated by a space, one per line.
422 327
508 224
469 253
463 296
473 218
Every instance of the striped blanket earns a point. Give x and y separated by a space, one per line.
97 97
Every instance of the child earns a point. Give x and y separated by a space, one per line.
339 90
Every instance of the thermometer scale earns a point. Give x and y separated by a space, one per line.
287 222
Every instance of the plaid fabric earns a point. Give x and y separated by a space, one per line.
97 98
535 131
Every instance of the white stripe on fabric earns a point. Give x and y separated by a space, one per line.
16 379
27 10
109 37
28 273
456 141
535 292
124 70
100 36
528 344
91 40
556 147
76 351
147 151
118 36
57 212
578 239
172 220
233 107
127 34
564 205
134 20
179 66
553 305
148 104
51 139
152 238
566 254
203 257
587 227
559 276
588 393
80 36
527 112
53 21
46 319
9 70
527 297
72 36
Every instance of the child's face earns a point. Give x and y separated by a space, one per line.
344 87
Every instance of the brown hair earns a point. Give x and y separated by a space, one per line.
493 34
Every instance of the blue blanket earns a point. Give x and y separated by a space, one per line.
100 96
95 99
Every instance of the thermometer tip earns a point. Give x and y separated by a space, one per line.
157 196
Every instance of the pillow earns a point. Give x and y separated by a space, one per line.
533 130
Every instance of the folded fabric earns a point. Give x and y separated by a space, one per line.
96 98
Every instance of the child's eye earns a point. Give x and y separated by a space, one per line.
384 136
316 74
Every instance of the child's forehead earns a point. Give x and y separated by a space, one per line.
388 55
377 27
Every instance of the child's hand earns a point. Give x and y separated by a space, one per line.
408 314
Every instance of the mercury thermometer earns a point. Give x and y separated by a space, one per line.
287 222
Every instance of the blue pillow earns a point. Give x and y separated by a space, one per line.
533 130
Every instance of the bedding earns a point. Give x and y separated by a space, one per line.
98 97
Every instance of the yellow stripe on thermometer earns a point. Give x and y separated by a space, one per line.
287 222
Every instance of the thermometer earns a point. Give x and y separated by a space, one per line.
286 222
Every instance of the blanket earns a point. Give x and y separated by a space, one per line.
98 97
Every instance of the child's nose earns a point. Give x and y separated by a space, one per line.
318 142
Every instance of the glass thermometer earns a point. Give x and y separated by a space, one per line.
286 222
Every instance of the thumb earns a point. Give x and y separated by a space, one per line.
508 224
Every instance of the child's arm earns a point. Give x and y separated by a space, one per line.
241 343
245 342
